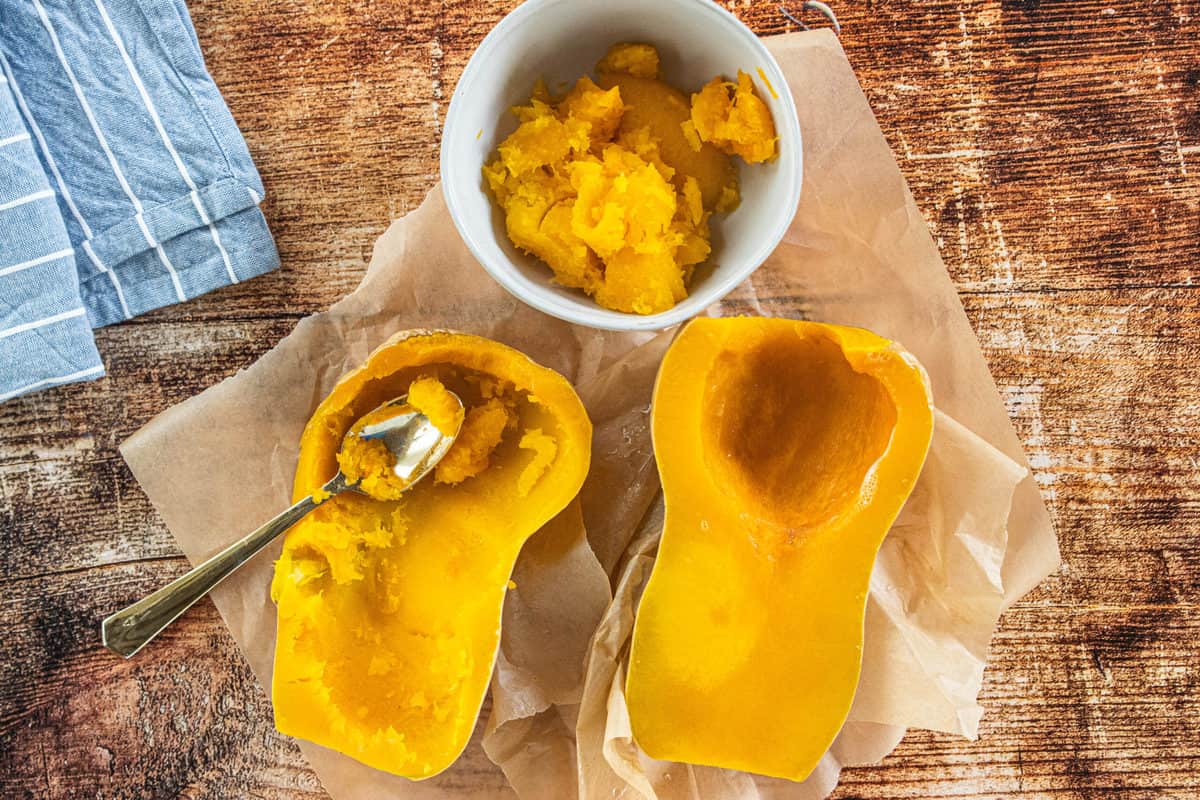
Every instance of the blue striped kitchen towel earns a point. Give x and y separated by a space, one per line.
125 184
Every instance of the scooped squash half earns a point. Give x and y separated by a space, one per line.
786 450
389 611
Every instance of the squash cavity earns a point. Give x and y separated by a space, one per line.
791 430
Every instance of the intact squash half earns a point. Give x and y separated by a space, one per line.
786 450
389 610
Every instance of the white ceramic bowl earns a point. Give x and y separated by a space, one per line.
560 40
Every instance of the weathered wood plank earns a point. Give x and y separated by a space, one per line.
1048 143
1053 147
1105 407
1078 699
187 717
1125 499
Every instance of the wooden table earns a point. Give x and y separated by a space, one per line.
1054 148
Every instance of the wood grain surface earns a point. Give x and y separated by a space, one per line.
1054 149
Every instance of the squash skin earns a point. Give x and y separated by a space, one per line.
748 641
433 588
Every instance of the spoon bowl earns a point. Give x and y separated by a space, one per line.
416 444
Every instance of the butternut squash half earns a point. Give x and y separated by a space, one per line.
786 450
389 610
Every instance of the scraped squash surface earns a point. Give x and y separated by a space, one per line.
389 610
786 450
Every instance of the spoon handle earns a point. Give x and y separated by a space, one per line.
130 629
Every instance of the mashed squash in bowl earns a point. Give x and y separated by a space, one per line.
612 184
670 51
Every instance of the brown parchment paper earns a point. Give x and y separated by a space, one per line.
974 537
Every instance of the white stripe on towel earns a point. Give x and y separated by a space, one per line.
112 275
112 159
74 376
29 198
162 256
20 137
162 133
216 236
40 323
37 131
62 185
33 262
141 221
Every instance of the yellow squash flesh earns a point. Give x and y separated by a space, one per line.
389 611
786 450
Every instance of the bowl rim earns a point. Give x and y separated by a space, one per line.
596 316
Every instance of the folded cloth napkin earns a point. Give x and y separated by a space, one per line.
125 184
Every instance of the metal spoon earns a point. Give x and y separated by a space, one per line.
417 446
